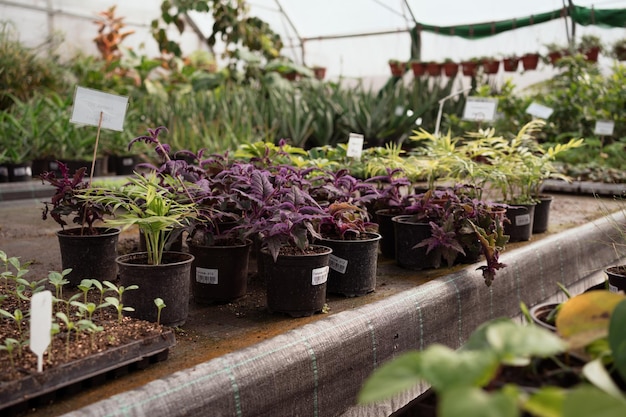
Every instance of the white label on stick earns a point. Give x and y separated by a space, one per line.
539 110
604 127
89 104
40 324
355 145
319 275
480 109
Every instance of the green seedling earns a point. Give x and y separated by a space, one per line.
70 326
160 306
89 327
9 345
85 285
57 279
118 306
18 318
85 310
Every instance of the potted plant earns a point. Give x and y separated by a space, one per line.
393 197
286 219
354 241
490 65
530 61
470 67
319 72
154 203
219 272
590 46
433 68
556 51
619 49
89 249
520 369
450 68
448 226
510 63
397 67
418 67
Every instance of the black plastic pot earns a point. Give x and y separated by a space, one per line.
520 222
540 312
542 214
123 165
353 265
296 284
386 229
4 173
20 172
89 256
219 273
617 278
168 281
408 234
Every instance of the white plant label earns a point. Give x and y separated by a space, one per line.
613 288
480 109
127 162
89 104
338 264
319 275
604 127
40 324
522 220
207 276
539 110
355 145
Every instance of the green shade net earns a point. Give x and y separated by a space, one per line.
582 15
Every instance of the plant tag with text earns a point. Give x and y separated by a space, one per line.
40 324
522 220
319 275
539 110
338 264
207 276
89 104
355 145
480 109
604 127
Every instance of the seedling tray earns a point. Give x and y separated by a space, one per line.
38 388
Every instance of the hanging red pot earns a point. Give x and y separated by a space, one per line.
397 68
419 68
469 68
450 69
433 69
530 61
510 64
491 66
555 56
591 54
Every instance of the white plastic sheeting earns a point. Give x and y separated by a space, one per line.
364 56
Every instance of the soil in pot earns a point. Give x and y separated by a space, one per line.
353 265
296 283
617 278
219 274
89 256
168 281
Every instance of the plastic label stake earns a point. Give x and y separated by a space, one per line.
40 325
